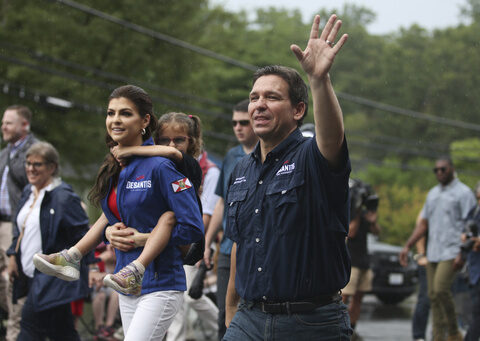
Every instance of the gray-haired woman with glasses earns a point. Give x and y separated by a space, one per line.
49 218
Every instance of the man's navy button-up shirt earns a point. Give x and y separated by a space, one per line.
289 219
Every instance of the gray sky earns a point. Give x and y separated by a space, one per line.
391 14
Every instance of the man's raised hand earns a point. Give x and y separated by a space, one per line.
318 57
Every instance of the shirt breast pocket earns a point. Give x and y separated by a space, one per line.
235 199
282 197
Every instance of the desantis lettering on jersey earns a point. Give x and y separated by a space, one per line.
139 183
286 168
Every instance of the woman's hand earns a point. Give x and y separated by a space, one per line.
12 268
120 237
125 238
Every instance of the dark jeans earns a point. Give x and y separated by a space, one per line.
55 323
422 308
473 333
330 322
223 273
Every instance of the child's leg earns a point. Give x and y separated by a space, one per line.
66 264
158 238
93 237
129 279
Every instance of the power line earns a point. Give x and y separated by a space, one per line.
250 67
44 99
156 35
394 139
399 150
38 55
412 168
110 87
407 112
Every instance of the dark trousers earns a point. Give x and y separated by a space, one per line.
473 333
55 323
223 273
422 308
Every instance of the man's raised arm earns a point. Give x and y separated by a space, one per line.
316 61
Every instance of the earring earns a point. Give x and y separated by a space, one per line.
144 131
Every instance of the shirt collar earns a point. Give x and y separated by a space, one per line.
294 138
148 142
19 143
450 184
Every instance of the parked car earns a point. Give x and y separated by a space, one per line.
392 283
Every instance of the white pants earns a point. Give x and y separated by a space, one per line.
206 310
147 317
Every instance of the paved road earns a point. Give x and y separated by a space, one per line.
385 322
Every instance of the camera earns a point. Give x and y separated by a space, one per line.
196 288
471 228
362 197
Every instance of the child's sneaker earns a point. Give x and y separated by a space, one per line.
58 264
127 281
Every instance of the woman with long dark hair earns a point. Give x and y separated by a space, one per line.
137 195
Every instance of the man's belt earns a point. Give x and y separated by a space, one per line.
303 306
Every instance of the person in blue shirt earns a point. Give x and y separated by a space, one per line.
288 206
49 217
244 134
473 264
137 195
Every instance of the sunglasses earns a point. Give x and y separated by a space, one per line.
440 169
243 123
165 141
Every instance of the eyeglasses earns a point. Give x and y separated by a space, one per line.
440 169
243 123
35 165
165 141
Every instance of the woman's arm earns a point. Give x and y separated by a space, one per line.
121 153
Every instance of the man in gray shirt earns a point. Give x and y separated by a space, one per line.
16 132
443 217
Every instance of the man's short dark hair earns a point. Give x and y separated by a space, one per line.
446 158
297 89
242 106
22 111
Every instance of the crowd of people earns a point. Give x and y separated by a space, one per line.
289 241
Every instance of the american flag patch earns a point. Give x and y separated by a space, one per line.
181 185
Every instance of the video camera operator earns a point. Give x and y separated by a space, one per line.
470 250
363 220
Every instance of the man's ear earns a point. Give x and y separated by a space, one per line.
299 111
25 125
